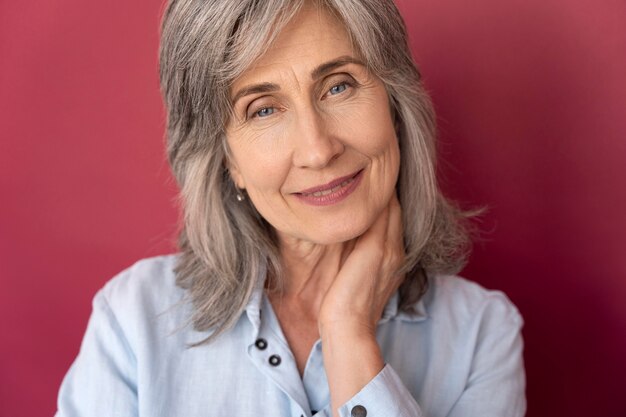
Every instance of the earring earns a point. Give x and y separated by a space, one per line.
240 197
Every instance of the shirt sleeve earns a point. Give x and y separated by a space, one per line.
495 386
103 376
385 395
497 383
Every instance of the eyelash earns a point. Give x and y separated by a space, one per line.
346 83
343 83
255 114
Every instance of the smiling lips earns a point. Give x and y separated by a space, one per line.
331 193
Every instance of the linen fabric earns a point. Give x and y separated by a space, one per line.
457 354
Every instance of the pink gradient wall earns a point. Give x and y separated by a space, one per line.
531 98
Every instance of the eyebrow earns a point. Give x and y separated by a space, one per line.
327 67
255 89
318 72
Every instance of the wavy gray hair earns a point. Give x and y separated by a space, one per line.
226 245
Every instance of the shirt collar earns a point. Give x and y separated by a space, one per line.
391 312
253 308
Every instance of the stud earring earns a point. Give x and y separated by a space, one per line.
240 197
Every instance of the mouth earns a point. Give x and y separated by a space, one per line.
332 192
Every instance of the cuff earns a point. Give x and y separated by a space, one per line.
383 396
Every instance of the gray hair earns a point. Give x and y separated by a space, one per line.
225 244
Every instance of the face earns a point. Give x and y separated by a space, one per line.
312 139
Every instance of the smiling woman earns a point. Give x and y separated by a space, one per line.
326 120
315 247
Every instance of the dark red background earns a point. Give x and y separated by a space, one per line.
531 97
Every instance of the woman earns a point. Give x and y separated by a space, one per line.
311 275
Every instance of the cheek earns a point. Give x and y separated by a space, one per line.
373 134
261 157
367 122
264 175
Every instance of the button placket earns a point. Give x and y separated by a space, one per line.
314 379
274 360
270 354
358 411
261 343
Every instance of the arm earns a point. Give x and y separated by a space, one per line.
102 379
356 372
348 319
496 384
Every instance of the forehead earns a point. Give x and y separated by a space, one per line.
311 37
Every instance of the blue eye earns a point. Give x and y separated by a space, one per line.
339 88
264 112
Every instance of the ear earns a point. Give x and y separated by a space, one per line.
235 174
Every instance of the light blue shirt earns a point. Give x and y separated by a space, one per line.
459 354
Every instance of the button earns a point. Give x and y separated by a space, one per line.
358 411
274 360
261 344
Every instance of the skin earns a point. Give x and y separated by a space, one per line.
340 259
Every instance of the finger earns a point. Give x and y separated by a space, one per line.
394 247
395 230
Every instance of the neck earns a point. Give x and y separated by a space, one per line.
309 270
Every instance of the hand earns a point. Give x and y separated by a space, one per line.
368 277
355 302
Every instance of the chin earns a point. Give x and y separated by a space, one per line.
340 233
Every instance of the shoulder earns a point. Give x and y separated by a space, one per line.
143 291
147 278
463 300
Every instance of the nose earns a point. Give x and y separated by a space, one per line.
316 143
